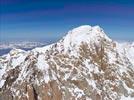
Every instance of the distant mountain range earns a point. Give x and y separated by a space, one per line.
84 65
24 44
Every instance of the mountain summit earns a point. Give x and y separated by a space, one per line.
84 65
85 33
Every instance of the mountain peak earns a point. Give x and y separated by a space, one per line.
85 33
97 28
87 28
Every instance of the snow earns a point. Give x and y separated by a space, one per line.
42 49
130 54
67 75
2 83
83 33
126 98
126 49
23 72
17 61
92 83
77 35
122 69
112 57
2 72
120 48
76 92
16 51
79 92
41 63
91 67
43 66
46 78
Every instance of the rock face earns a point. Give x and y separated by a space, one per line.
84 65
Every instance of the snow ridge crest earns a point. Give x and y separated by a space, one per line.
85 33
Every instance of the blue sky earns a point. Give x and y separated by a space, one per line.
36 19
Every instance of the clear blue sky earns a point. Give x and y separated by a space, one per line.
35 19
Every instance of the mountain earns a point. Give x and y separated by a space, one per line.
84 65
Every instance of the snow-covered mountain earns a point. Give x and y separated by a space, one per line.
84 65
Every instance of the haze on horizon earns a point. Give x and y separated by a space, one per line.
43 19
